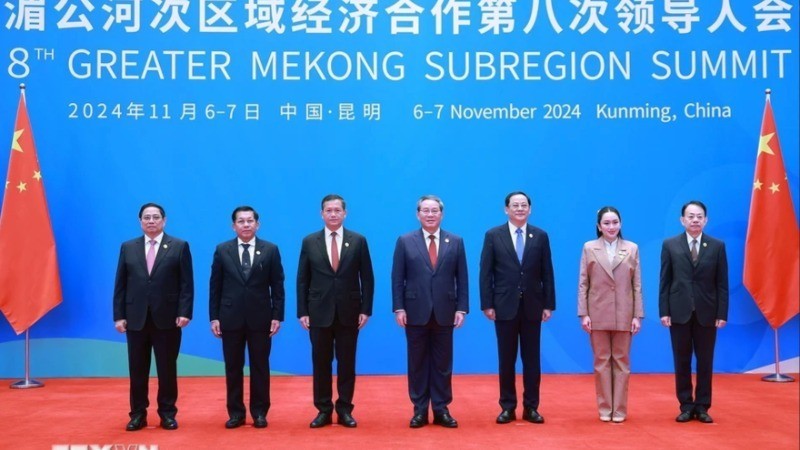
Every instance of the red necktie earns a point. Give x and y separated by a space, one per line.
334 252
432 250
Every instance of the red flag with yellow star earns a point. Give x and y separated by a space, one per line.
772 248
29 281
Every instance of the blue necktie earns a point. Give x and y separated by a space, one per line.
520 246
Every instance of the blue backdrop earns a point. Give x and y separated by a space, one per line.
205 105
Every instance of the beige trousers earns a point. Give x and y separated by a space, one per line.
612 370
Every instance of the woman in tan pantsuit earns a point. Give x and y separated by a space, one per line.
610 308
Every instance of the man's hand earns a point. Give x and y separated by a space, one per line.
400 318
459 319
274 327
215 328
362 320
121 325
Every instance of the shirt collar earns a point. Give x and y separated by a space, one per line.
252 242
158 238
435 234
689 238
339 232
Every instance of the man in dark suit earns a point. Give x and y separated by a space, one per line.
429 298
153 299
335 286
518 294
693 303
246 299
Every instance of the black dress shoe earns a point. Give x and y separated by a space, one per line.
532 416
168 423
136 423
507 416
445 420
321 420
347 420
685 416
234 422
704 417
260 422
418 421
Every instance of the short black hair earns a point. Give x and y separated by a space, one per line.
331 198
243 209
508 197
696 203
152 205
603 210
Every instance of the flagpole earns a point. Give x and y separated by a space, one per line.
27 383
777 377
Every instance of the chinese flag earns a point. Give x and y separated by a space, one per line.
29 281
772 248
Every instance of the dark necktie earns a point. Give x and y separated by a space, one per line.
432 250
246 260
694 250
334 253
520 245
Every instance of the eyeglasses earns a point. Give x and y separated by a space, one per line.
154 218
430 212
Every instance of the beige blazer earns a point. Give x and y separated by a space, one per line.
610 293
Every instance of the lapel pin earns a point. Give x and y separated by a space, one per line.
165 246
530 235
705 244
258 252
447 240
347 244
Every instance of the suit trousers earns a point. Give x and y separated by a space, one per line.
340 340
612 371
430 366
687 338
258 345
523 336
165 344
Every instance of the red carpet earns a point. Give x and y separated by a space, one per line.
749 414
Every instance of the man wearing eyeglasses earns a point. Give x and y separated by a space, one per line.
335 286
430 298
246 304
517 294
153 299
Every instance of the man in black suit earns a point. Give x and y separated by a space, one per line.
246 299
518 294
693 303
335 287
153 299
430 297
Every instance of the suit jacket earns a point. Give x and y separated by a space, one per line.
419 289
683 284
323 294
610 293
167 292
503 277
240 302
